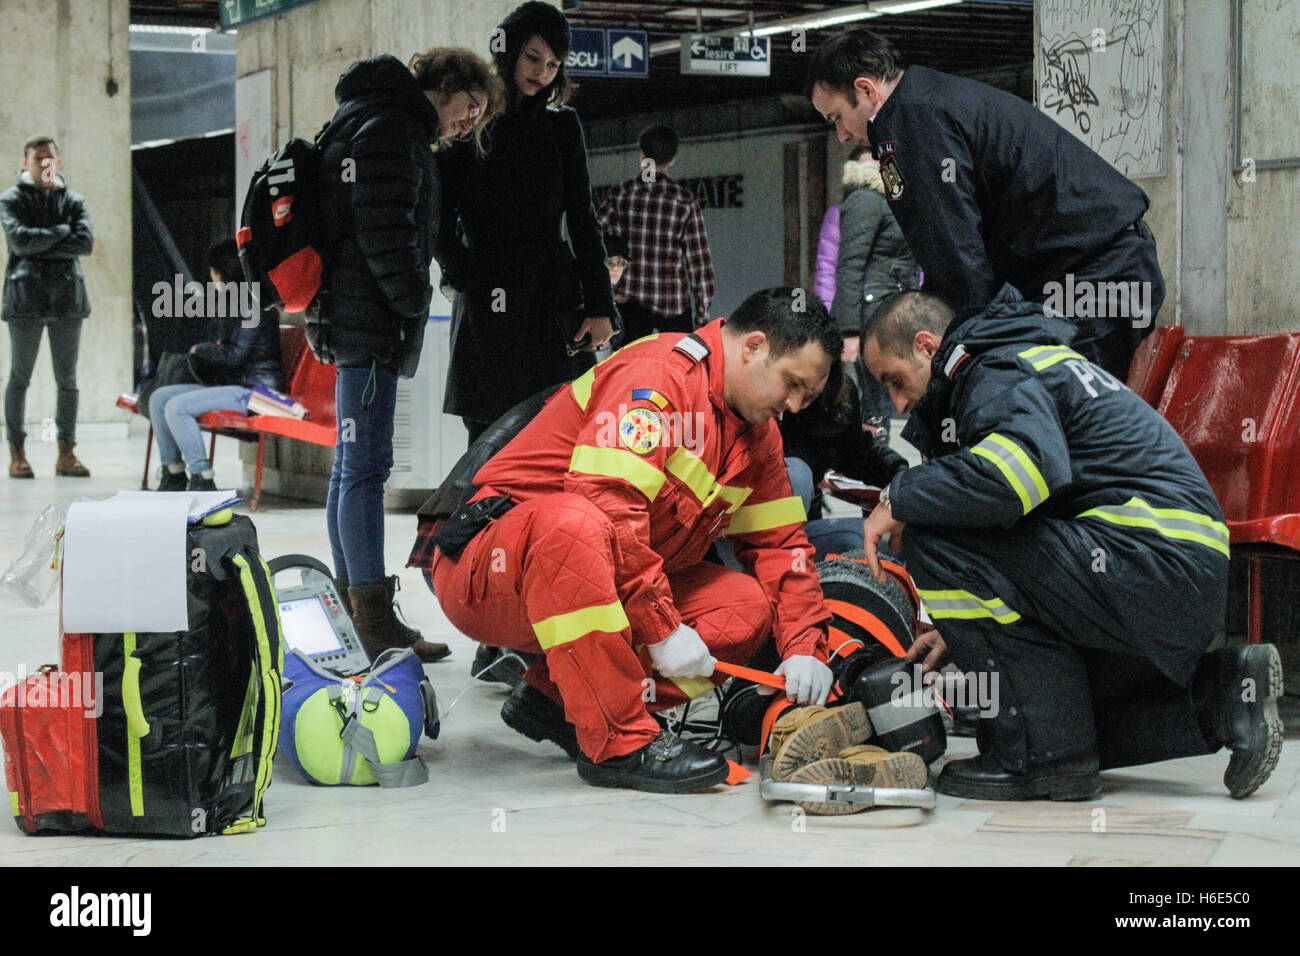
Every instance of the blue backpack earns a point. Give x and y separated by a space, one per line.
358 730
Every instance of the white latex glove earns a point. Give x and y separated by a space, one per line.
807 680
682 653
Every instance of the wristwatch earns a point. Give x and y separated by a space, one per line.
884 500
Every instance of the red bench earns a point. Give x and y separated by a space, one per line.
1235 400
310 383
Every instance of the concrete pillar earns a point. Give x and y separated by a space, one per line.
1206 165
57 68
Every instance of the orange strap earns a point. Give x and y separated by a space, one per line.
868 622
736 774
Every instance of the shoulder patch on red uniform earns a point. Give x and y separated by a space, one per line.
693 346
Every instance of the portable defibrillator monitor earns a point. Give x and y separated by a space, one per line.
316 624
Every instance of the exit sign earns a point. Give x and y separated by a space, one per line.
236 12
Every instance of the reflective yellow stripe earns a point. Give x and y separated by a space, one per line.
571 625
1017 467
693 687
618 463
1044 356
582 387
13 802
134 771
1171 522
768 515
691 470
964 605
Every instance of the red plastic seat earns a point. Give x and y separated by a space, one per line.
1235 400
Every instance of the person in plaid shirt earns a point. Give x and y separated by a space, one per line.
671 268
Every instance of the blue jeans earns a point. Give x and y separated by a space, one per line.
174 410
826 535
366 399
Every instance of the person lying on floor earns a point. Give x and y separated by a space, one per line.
248 354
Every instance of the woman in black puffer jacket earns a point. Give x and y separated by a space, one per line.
379 200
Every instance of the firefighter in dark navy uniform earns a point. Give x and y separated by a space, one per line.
1063 538
990 190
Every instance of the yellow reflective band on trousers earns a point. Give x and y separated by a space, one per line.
571 625
962 605
768 515
693 687
1045 356
691 470
618 463
1170 522
134 771
1016 467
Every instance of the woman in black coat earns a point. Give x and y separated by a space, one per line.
501 245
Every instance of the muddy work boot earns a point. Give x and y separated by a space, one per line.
19 466
378 625
67 464
1235 691
807 734
861 766
665 765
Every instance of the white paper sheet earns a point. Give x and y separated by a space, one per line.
124 562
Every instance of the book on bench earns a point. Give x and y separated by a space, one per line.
267 401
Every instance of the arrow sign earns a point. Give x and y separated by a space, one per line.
628 53
627 50
730 55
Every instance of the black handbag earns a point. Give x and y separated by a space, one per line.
173 369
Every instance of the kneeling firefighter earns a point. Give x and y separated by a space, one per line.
586 537
1068 547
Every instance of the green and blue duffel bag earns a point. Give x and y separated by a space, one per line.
358 730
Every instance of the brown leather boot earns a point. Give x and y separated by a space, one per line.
67 465
19 466
379 628
341 585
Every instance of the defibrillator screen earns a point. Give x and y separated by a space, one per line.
307 627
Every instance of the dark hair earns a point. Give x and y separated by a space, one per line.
900 315
790 318
223 256
35 142
659 143
532 19
616 245
851 54
448 70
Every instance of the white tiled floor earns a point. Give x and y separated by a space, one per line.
494 797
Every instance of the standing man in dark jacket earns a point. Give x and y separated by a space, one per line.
990 190
379 199
47 229
1071 555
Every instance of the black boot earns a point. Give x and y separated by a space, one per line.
199 483
984 778
533 714
1235 692
665 765
378 626
171 480
508 668
341 586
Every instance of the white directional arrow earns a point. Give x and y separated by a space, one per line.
627 50
698 48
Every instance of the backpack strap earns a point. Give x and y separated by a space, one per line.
361 740
260 719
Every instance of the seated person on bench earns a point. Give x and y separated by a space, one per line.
1067 545
248 354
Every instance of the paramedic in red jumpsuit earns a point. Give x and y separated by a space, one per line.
620 485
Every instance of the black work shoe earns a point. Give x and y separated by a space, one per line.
1238 709
984 778
533 714
665 765
199 483
171 481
